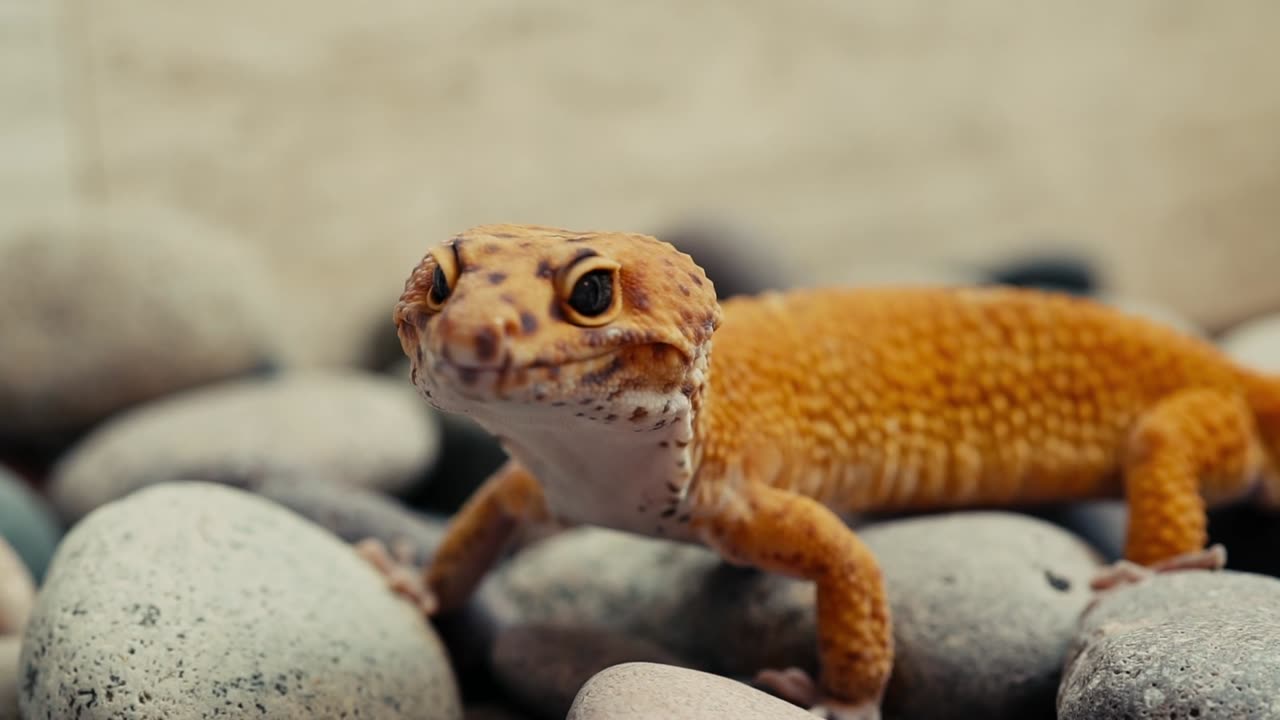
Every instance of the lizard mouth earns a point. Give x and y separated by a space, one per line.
541 378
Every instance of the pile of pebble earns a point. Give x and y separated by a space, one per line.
178 504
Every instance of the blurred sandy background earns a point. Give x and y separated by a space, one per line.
343 138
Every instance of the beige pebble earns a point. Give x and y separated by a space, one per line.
17 591
652 691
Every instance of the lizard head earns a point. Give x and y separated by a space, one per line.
548 325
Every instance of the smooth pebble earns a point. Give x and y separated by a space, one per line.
10 648
544 666
649 691
225 605
27 523
114 307
358 428
17 591
984 605
1180 645
1255 343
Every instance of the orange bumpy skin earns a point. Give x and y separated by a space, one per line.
752 427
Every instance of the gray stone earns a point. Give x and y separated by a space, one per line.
10 648
27 523
721 618
648 691
359 428
984 605
354 513
111 308
1180 645
225 605
544 666
17 591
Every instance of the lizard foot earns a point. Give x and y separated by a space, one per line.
1124 572
403 577
796 686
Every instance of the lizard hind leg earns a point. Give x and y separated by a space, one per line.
1195 448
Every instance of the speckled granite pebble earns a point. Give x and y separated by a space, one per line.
544 666
226 606
984 605
359 428
117 306
17 591
27 523
650 691
10 647
1181 645
995 592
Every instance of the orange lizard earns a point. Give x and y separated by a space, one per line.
627 397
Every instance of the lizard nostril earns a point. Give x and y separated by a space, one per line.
486 343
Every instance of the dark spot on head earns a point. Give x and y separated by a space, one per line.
639 413
528 323
587 401
683 288
508 298
1057 582
610 417
486 341
668 262
553 372
682 443
491 248
664 443
579 414
544 269
468 375
668 512
634 293
496 278
559 403
505 235
696 280
555 311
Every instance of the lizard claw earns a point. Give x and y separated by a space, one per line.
402 575
1124 572
796 686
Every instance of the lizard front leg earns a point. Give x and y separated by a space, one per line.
793 535
1195 446
476 536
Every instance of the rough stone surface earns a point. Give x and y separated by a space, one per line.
358 428
995 592
544 666
17 591
1255 343
27 523
112 308
10 647
647 691
225 606
984 605
1182 645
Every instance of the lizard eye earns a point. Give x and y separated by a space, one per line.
443 277
589 292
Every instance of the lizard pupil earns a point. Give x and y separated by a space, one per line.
593 293
439 286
